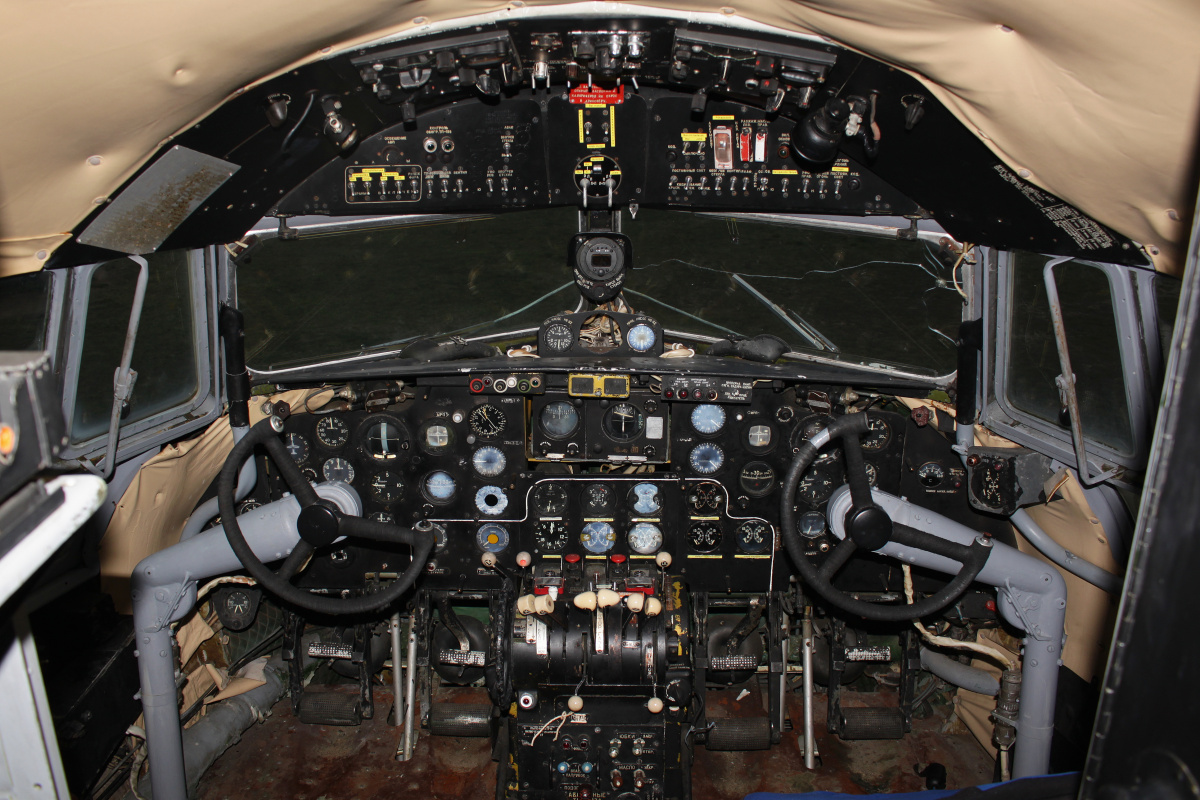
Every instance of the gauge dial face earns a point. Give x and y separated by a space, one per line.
385 440
489 461
811 524
623 421
338 469
550 499
440 487
818 483
645 538
559 337
248 505
704 536
309 474
757 479
550 537
645 499
559 419
708 418
597 500
384 517
931 474
332 432
492 538
491 500
297 447
705 498
238 609
387 486
640 337
760 437
437 437
878 435
440 539
754 536
810 427
597 537
487 421
872 473
706 458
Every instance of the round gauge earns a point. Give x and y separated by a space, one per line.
440 539
760 437
597 500
387 487
385 439
645 499
597 537
645 538
384 517
558 337
757 479
487 421
811 524
491 500
332 432
550 499
559 419
872 474
878 435
489 461
238 609
818 483
640 337
297 447
439 487
810 427
931 474
338 469
706 458
754 536
708 418
705 498
309 474
623 421
492 538
704 536
248 505
437 437
550 536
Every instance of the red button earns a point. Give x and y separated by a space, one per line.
571 558
668 394
990 605
617 558
697 394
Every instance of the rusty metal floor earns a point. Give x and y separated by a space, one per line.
283 759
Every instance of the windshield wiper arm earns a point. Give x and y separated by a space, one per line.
792 319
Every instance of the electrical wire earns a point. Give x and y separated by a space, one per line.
287 140
560 719
946 641
967 248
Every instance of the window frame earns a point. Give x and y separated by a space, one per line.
1135 317
170 423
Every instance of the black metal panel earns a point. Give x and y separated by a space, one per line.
1146 725
938 167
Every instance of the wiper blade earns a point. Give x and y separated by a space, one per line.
793 320
452 349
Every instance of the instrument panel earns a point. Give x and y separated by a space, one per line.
603 485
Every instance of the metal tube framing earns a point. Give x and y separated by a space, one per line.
810 743
410 692
398 713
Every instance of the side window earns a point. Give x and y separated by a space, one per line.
164 355
24 311
1090 321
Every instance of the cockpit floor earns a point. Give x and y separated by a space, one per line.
285 759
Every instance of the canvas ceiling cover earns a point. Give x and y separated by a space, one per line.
1093 100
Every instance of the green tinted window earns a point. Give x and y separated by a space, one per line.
862 299
24 305
164 355
1091 328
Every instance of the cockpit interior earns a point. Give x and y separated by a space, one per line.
557 402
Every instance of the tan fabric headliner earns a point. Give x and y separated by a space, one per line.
1095 101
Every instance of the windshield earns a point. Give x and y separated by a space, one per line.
857 298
